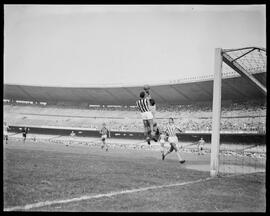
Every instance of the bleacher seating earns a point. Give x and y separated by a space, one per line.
244 116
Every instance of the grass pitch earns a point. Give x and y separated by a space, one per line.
44 171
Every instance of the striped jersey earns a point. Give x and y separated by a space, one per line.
104 131
143 105
171 130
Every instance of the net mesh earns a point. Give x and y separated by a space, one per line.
253 60
245 157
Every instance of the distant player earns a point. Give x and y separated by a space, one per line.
146 114
72 135
162 141
5 130
24 133
104 134
171 131
200 146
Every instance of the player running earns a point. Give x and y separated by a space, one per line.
162 141
173 140
104 134
5 130
146 114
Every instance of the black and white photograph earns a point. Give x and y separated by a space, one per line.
134 108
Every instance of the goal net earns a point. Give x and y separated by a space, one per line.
248 68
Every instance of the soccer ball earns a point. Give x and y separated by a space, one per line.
146 87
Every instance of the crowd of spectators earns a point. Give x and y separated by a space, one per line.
236 117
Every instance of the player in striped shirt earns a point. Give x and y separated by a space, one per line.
146 114
104 134
171 131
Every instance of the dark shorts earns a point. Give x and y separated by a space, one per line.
6 137
24 134
146 123
173 147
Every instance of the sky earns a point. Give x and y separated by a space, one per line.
99 45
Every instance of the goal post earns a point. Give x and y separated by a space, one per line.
216 114
249 63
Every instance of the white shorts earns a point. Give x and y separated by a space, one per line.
147 115
104 136
162 143
173 139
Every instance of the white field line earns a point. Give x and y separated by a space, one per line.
88 197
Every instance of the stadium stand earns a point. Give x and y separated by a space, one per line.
236 117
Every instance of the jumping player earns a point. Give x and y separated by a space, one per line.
146 88
152 108
5 130
173 140
147 116
104 134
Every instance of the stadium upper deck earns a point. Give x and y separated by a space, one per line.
186 91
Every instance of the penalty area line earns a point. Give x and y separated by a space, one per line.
89 197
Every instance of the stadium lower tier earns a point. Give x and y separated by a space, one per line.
199 120
235 138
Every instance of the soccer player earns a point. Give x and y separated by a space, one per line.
24 133
173 140
5 130
156 132
162 141
146 114
152 108
104 134
146 88
200 146
70 141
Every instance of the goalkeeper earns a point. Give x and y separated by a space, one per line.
143 105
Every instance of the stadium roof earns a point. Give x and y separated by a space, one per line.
187 91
